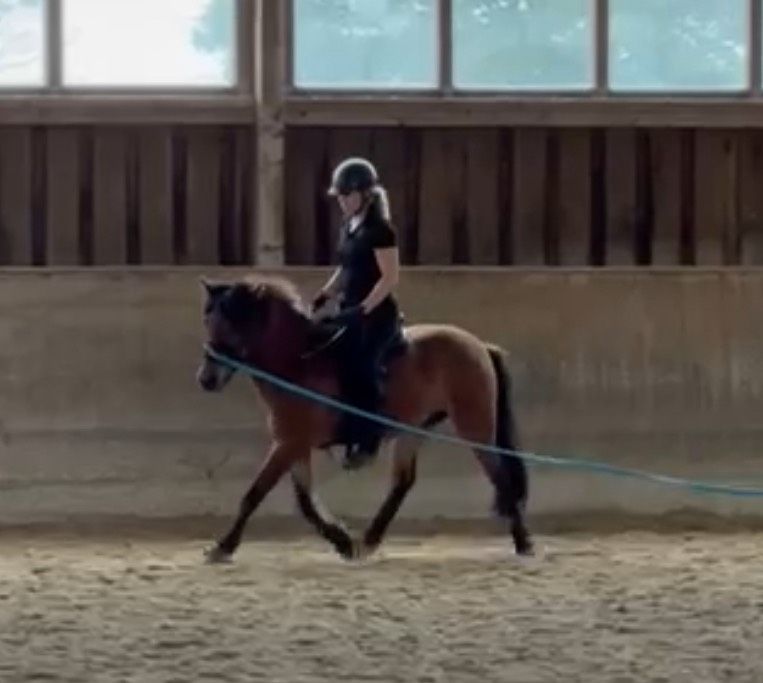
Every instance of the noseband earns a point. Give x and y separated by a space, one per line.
213 356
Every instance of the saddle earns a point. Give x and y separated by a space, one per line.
325 338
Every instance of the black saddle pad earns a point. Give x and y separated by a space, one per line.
397 346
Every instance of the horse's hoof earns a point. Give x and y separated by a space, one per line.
347 551
364 550
524 548
216 555
353 551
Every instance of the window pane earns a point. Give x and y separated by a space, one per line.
22 52
365 43
149 43
678 44
523 44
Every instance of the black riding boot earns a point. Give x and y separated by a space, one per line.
364 435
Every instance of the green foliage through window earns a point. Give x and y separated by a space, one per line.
678 44
523 44
365 43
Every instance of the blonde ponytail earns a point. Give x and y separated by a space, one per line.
379 203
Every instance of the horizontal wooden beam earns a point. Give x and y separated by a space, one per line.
384 110
126 109
700 112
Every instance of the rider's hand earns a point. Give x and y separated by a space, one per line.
319 301
349 315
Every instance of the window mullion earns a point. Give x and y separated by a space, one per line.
54 44
244 18
601 46
445 45
290 46
755 45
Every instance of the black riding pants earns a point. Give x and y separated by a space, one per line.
366 341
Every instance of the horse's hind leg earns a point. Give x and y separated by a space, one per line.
507 477
475 422
310 506
403 479
509 473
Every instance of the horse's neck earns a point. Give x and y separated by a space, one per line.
282 352
280 348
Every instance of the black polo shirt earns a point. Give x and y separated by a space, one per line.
360 271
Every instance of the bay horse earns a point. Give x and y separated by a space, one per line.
440 372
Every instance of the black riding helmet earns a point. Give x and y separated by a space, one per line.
353 175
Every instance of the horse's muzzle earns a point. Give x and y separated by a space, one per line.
208 381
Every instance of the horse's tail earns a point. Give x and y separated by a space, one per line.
512 473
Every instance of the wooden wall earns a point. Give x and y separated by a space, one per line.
111 195
536 196
529 196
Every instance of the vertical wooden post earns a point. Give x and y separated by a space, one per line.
271 48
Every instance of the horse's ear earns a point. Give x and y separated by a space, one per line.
212 289
259 291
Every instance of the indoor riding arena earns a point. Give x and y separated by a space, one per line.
577 185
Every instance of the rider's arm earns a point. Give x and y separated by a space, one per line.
388 260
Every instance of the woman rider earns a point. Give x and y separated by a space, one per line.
364 282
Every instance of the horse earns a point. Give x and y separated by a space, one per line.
438 372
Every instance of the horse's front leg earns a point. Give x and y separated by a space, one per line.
312 509
280 458
403 479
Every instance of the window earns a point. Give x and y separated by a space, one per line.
678 45
665 46
523 44
365 44
22 43
119 44
149 43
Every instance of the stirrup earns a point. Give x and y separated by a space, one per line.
355 456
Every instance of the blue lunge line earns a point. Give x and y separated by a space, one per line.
547 460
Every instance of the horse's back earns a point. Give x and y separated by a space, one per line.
441 363
444 340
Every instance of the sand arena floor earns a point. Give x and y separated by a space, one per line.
634 606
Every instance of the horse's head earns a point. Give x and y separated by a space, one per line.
248 321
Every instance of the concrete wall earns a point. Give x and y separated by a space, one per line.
100 414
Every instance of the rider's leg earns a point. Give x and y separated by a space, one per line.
351 370
369 392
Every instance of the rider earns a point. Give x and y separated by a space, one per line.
364 282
